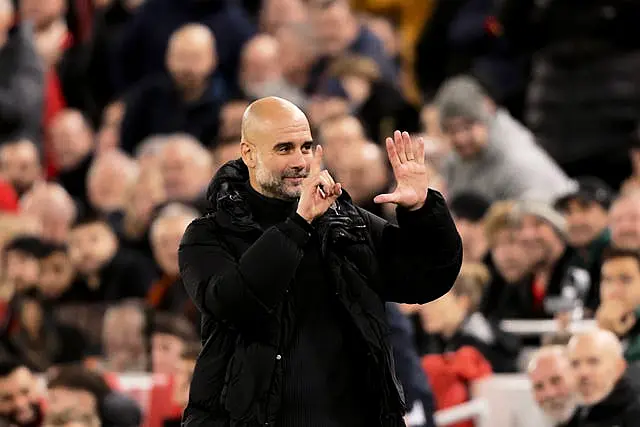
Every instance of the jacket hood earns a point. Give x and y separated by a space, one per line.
226 181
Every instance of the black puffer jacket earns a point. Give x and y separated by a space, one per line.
238 275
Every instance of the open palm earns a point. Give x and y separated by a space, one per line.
412 179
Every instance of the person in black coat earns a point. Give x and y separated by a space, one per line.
291 280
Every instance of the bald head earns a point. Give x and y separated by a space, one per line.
191 57
109 180
72 138
276 146
186 167
598 363
259 63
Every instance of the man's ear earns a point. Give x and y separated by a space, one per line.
248 153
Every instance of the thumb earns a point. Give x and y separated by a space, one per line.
386 198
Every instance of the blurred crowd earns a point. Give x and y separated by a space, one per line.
116 114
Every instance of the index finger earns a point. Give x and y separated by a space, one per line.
316 162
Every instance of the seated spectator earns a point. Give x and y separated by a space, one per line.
56 271
20 165
185 102
554 385
170 336
604 384
624 221
468 210
168 293
336 134
274 14
21 79
148 151
20 398
53 208
21 262
453 322
586 214
107 271
124 340
110 177
493 154
108 137
298 51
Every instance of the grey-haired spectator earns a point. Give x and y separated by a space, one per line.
468 210
53 208
493 154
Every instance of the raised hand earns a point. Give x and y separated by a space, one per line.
412 178
319 190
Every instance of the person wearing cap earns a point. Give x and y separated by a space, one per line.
468 210
493 154
586 213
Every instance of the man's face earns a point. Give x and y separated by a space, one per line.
23 269
283 164
554 387
596 371
509 255
20 165
18 397
473 239
107 188
165 240
585 221
466 136
620 281
71 140
166 353
183 180
63 398
124 341
538 237
56 274
327 18
190 65
624 221
91 246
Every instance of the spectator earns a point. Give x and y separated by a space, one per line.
230 120
73 144
186 168
275 14
53 208
493 154
261 72
21 262
56 271
108 272
468 211
336 134
224 152
298 52
185 102
21 79
603 382
147 153
124 340
624 221
453 321
20 164
170 337
109 180
19 396
554 385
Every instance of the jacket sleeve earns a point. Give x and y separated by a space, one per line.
246 291
420 257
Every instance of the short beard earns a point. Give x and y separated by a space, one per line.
274 186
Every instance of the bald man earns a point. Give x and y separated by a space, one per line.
291 279
604 386
553 384
189 101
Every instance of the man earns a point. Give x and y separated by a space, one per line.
554 386
20 164
291 279
624 222
170 337
53 208
604 385
19 404
493 154
109 181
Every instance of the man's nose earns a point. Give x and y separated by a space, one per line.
298 160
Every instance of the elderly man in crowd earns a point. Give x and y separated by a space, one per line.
53 208
110 178
624 221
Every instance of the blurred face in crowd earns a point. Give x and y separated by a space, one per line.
191 57
509 255
259 65
64 398
56 274
444 315
275 13
109 134
620 282
362 171
466 136
231 119
71 139
277 147
147 193
585 221
109 180
224 153
92 246
597 363
474 243
53 208
123 339
20 164
297 52
186 170
331 21
166 353
166 233
539 238
553 383
624 221
337 135
18 397
42 13
22 269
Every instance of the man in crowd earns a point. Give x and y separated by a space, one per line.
19 397
310 339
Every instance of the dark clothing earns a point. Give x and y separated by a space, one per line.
254 286
127 275
620 409
590 260
157 108
74 181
